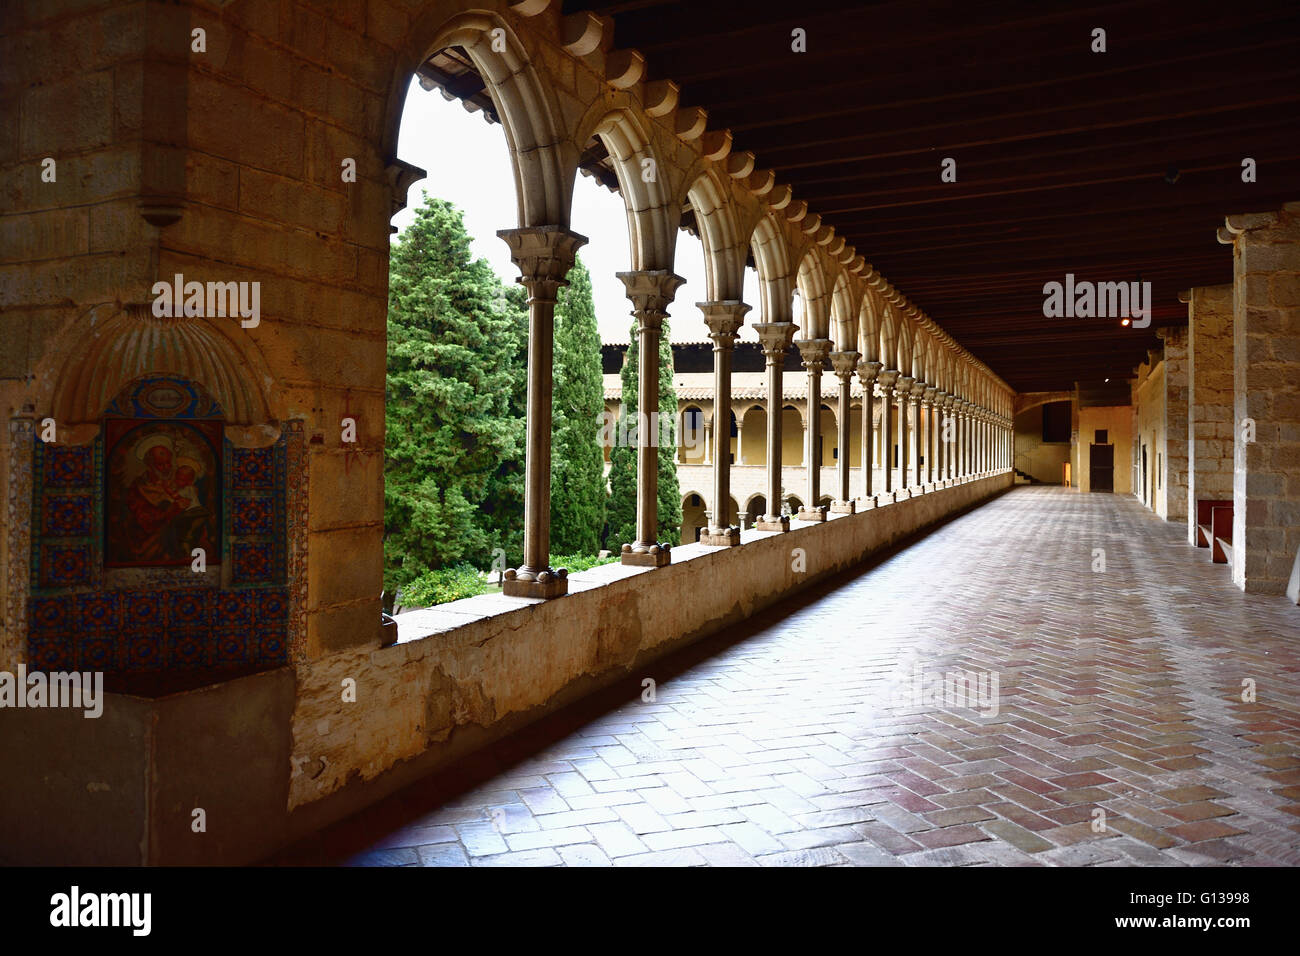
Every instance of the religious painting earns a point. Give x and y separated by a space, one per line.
163 492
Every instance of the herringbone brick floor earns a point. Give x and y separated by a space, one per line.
1120 691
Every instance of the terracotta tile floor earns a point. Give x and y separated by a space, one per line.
786 742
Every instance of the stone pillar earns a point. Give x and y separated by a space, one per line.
886 380
903 389
1209 397
650 293
1266 373
814 353
844 363
918 446
724 320
708 440
543 255
868 373
931 440
740 441
775 338
964 424
1175 408
940 445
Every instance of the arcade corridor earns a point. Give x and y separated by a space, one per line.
784 741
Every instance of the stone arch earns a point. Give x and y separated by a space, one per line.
544 160
725 248
775 271
652 217
96 358
843 312
903 357
869 328
811 283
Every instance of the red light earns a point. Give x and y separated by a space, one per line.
1124 322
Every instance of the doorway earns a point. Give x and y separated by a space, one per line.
1101 467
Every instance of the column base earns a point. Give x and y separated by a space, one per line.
654 556
812 514
770 523
843 507
721 537
540 584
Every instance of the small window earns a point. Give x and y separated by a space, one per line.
1056 422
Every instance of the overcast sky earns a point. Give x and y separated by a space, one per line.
468 164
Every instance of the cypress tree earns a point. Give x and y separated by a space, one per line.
578 494
452 438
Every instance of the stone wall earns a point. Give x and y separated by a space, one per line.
1266 394
1174 500
1209 398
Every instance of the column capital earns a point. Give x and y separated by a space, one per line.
918 388
651 291
724 319
930 395
814 353
775 337
543 255
845 364
903 384
886 378
868 372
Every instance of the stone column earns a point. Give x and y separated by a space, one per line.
1266 373
1209 397
775 338
724 320
844 363
903 389
650 293
918 389
543 255
868 373
940 445
931 438
963 438
740 440
886 379
708 441
814 353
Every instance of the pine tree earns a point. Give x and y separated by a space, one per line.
622 475
578 406
453 439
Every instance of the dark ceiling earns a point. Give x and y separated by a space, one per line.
1063 155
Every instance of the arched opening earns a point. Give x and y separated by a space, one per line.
691 442
791 437
694 520
754 450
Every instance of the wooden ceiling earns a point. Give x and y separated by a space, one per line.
1114 166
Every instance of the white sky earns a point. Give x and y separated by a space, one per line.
468 164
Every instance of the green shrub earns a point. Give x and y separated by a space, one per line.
443 585
579 562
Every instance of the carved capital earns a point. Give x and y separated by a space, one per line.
724 320
930 395
543 255
775 337
845 364
868 372
814 353
903 385
886 379
651 291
